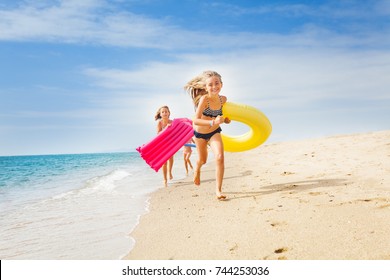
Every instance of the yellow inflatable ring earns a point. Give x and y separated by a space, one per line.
260 127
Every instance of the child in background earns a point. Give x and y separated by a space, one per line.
162 116
204 90
187 151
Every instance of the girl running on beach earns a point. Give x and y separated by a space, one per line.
204 90
187 151
162 116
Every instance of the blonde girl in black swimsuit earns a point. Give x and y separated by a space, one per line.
204 90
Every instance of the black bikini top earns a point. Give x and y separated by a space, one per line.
208 112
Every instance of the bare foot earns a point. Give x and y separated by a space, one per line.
170 176
197 177
165 183
220 196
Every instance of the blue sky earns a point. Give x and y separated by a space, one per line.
88 76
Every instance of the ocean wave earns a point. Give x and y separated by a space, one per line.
106 182
98 184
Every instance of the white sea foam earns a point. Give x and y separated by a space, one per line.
85 212
106 182
99 184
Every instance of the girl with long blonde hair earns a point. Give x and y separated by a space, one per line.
205 90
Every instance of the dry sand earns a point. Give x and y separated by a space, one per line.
322 199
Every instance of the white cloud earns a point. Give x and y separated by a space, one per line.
98 22
297 79
81 22
295 75
299 88
328 9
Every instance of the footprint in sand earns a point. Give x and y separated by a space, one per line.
281 250
293 186
380 202
278 251
278 224
315 193
234 248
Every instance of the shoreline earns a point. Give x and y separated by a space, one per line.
314 199
147 201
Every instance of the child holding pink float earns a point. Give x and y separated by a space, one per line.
162 116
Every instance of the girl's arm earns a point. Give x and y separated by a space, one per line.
198 114
159 127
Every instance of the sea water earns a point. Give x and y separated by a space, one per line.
81 206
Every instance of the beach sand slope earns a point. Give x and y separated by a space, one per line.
316 199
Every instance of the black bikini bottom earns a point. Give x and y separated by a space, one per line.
207 136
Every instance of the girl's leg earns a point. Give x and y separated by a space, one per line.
170 166
217 148
201 146
185 163
164 170
188 160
